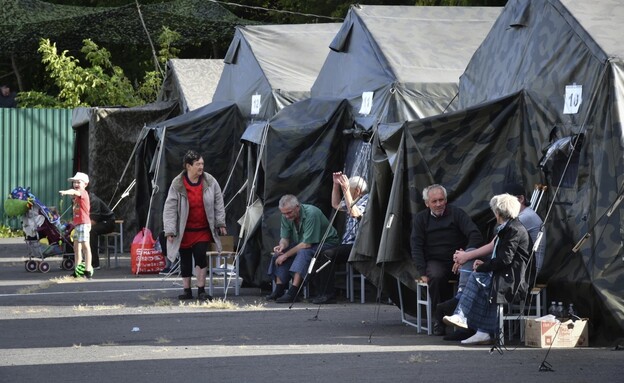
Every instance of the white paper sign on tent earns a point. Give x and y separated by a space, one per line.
573 99
255 104
367 103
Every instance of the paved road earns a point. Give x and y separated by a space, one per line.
123 328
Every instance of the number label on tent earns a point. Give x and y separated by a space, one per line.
573 99
367 103
255 104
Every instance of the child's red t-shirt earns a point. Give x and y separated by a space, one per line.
82 207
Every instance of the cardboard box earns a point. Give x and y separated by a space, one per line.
559 335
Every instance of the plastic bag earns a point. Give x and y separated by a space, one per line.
145 258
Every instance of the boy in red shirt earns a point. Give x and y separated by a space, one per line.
82 224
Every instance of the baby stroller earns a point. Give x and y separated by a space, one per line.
39 223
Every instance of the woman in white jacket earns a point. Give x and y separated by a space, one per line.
193 216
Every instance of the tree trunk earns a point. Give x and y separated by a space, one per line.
17 74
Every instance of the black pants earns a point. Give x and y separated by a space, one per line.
439 273
98 229
325 280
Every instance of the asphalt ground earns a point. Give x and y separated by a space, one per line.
120 327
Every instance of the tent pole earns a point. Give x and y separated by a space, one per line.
136 144
154 191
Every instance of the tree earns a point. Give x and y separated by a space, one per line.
100 84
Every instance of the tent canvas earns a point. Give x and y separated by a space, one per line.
272 65
513 96
409 57
365 53
213 131
104 144
191 82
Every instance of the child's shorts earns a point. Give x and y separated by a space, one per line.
82 232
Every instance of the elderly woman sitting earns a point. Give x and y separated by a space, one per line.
498 280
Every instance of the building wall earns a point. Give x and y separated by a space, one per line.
36 151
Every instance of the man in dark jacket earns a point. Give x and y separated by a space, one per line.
7 97
102 222
437 232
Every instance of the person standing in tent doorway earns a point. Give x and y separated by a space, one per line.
102 222
349 195
302 230
193 216
82 224
437 232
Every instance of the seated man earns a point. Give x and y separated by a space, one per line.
102 222
354 203
437 232
302 230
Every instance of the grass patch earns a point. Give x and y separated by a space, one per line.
162 340
109 343
254 306
222 304
163 302
217 304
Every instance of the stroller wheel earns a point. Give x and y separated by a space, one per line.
31 266
67 264
44 267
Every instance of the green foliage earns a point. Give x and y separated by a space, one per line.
15 207
101 83
7 232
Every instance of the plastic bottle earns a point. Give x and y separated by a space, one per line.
571 312
560 311
552 309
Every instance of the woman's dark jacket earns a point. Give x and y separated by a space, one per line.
510 264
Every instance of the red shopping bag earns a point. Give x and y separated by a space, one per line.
145 257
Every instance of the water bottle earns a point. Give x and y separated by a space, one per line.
571 313
552 310
560 311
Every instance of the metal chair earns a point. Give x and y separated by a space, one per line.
218 265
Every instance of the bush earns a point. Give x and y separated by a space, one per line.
7 232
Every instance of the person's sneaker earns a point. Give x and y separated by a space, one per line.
478 338
188 294
273 296
438 329
286 298
324 300
204 296
79 270
459 335
165 271
96 267
276 293
88 274
455 320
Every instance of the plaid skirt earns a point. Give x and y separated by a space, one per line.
475 303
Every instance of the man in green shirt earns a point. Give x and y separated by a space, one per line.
302 230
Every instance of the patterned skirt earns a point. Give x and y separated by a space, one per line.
475 303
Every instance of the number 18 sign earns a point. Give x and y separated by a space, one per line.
573 99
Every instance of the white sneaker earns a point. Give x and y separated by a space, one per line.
478 338
455 320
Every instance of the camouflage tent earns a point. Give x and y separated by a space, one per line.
541 102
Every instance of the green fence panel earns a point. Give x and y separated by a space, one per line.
37 150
